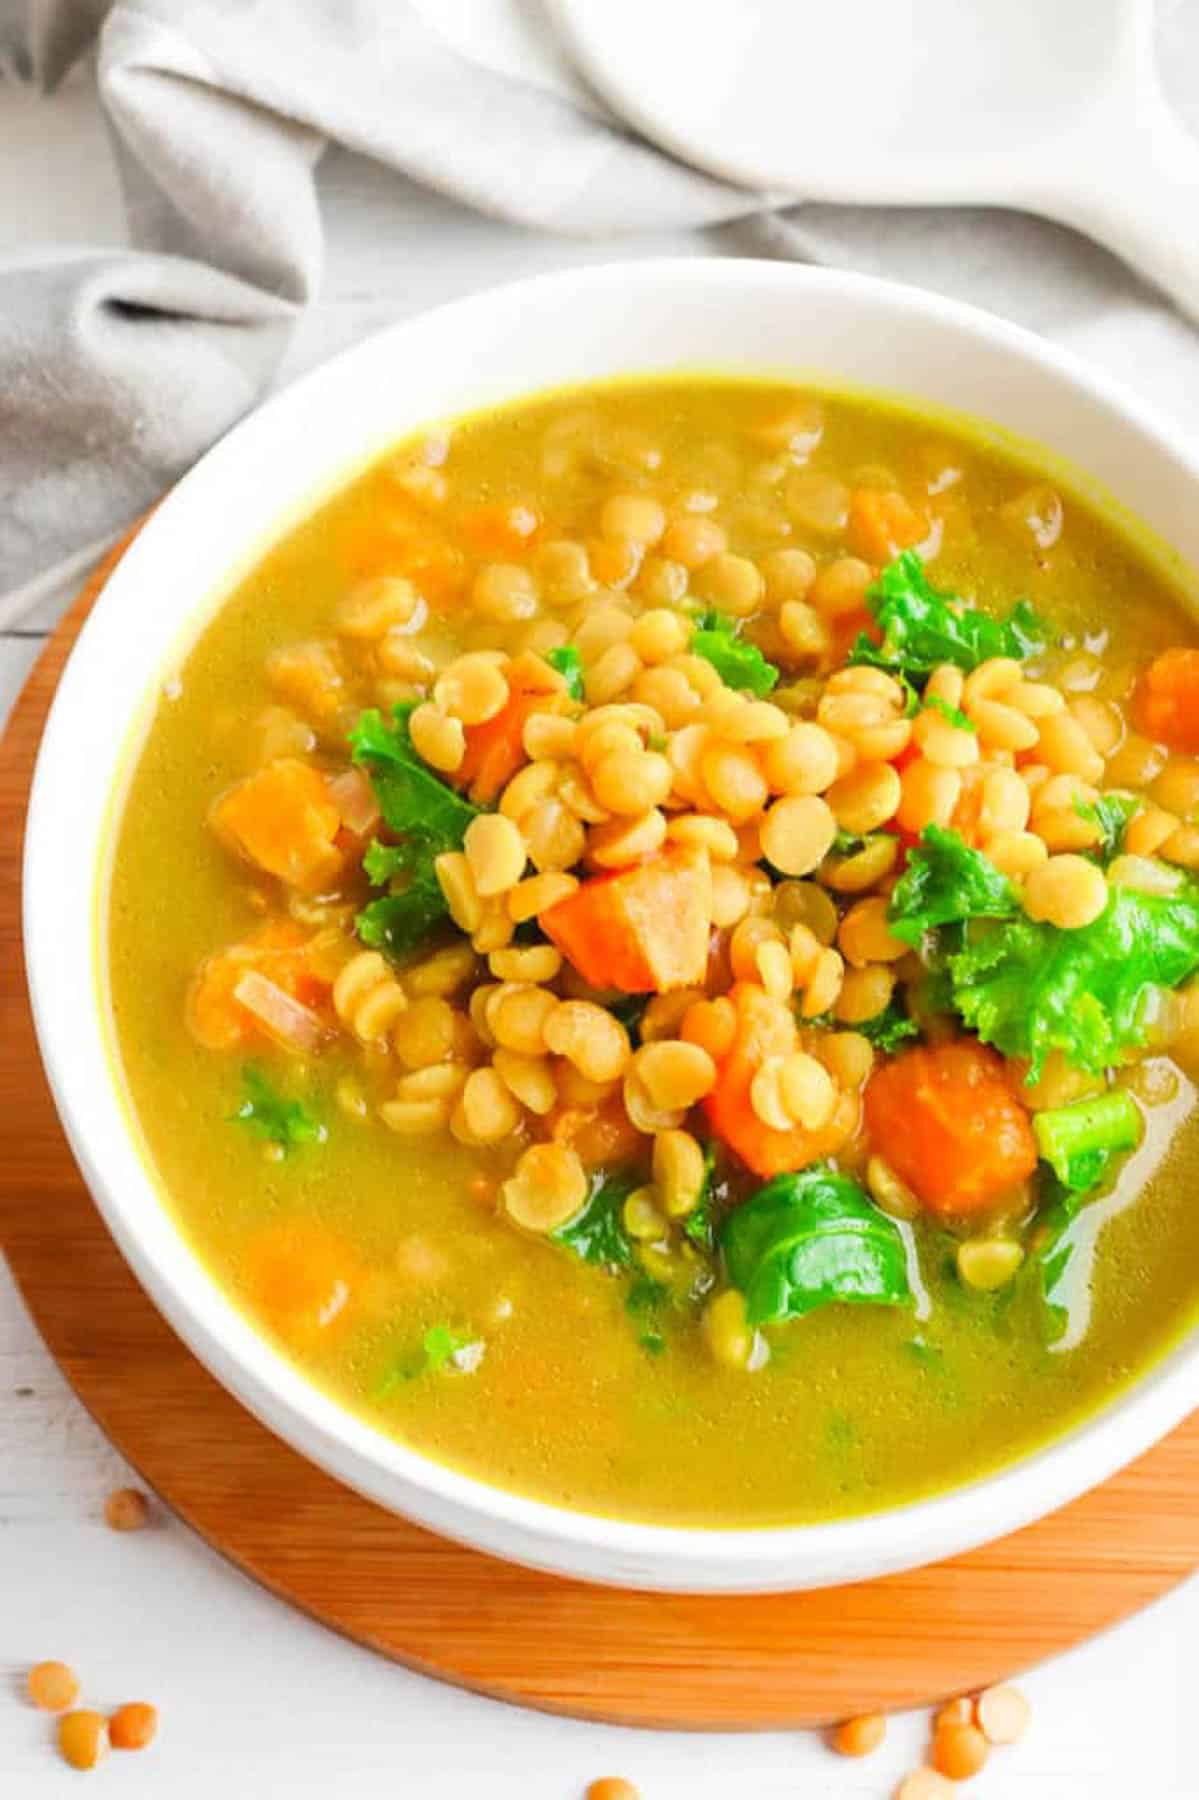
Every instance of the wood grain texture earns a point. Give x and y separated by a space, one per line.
778 1660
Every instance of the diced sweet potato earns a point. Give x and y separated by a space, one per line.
495 750
882 523
765 1028
949 1123
1167 702
301 1278
283 952
643 930
283 820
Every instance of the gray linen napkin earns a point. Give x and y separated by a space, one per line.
117 369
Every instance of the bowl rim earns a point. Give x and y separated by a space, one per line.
540 1533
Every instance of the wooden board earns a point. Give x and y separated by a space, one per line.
646 1659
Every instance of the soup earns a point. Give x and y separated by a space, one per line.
651 945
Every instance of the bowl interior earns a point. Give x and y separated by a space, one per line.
838 330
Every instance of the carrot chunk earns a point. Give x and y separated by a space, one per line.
282 951
882 523
643 930
495 749
283 820
949 1123
501 530
765 1028
1167 702
301 1277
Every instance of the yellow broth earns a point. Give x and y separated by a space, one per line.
858 1407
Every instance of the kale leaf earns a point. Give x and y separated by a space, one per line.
807 1239
888 1029
739 663
1051 1256
411 796
596 1234
1110 815
267 1114
922 627
427 815
946 882
954 714
569 663
1030 988
629 1009
699 1226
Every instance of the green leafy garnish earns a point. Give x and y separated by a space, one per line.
643 1302
629 1009
427 815
412 798
568 662
890 1028
1030 988
956 717
808 1239
269 1115
645 1295
698 1226
739 663
946 882
1052 1253
596 1234
439 1346
922 627
1110 815
1079 1141
440 1343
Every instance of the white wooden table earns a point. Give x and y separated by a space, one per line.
252 1695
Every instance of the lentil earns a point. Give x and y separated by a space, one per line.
82 1738
133 1726
52 1686
1003 1715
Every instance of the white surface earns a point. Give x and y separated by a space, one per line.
524 337
250 1692
1057 110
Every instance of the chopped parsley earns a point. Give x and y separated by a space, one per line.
922 627
568 663
739 663
270 1115
428 818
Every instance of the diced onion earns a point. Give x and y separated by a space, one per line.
288 1022
354 798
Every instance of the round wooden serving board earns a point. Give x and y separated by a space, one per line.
644 1659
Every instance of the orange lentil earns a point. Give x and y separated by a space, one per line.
613 1787
860 1736
52 1686
133 1726
126 1510
954 1712
960 1751
924 1784
1003 1714
82 1738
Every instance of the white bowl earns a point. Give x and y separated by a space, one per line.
642 316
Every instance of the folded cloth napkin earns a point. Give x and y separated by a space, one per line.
118 368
